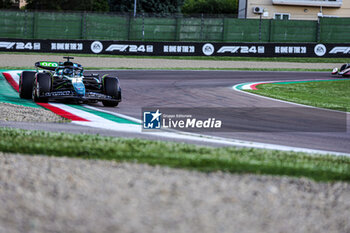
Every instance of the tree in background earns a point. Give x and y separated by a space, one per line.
147 6
69 5
5 4
210 7
100 5
143 6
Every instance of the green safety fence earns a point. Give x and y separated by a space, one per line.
336 30
57 25
60 25
293 31
246 30
104 27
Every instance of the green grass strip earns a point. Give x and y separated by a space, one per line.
205 159
334 94
104 115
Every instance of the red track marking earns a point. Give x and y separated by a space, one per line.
48 106
11 81
61 112
255 85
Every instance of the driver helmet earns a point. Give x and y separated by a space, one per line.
77 72
68 71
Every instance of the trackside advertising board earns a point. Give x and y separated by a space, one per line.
148 48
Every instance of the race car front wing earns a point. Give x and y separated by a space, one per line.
72 95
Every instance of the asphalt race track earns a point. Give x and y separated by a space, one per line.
194 89
143 88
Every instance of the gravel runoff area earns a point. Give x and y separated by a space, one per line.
12 112
46 194
29 60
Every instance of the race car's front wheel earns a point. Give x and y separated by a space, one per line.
42 84
26 84
112 88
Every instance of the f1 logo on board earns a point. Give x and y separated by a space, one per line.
20 45
130 48
344 50
242 49
152 120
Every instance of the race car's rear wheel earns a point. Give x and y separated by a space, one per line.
111 88
42 84
26 84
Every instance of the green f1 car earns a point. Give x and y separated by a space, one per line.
66 81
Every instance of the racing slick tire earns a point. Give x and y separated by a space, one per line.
111 87
42 83
26 84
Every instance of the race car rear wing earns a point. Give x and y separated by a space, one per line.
50 65
47 65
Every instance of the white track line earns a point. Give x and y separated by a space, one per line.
114 113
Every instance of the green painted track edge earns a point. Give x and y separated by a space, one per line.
104 115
